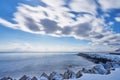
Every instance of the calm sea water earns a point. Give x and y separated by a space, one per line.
18 64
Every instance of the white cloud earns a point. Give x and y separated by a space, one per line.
8 24
117 19
109 39
87 6
57 20
110 23
109 4
17 47
20 47
54 3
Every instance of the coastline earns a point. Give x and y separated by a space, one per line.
104 66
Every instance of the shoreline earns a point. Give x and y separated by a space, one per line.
103 66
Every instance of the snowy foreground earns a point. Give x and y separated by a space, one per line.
115 75
107 68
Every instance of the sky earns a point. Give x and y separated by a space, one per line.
59 25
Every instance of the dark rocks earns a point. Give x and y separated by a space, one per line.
96 58
52 75
66 75
108 66
115 64
99 68
78 74
102 68
6 78
69 75
55 76
25 78
44 76
91 71
84 70
34 78
108 72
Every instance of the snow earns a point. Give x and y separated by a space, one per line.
57 77
43 78
100 69
115 75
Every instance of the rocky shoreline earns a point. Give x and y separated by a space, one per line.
104 62
118 53
53 76
96 58
104 66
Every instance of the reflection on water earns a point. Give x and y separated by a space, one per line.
17 64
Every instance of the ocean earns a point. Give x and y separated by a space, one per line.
34 64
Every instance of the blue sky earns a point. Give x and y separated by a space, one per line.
59 25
